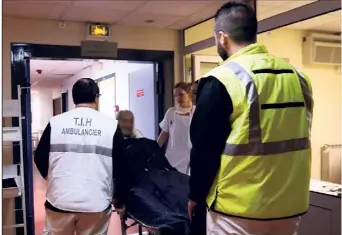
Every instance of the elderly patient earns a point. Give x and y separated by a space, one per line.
126 123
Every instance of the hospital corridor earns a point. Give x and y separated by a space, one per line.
171 117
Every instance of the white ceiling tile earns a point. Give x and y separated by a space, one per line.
183 23
70 67
39 10
111 11
88 14
45 65
204 14
139 19
115 5
177 8
56 69
48 77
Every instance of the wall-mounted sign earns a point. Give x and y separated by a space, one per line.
99 49
140 93
98 30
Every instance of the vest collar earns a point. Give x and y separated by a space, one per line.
254 48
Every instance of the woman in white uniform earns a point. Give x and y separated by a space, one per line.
175 128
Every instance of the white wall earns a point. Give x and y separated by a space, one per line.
101 69
41 104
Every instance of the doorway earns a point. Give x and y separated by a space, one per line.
65 97
118 82
57 106
20 71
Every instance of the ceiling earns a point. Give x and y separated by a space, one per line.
55 70
164 14
266 9
330 22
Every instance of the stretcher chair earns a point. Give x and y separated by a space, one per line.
149 231
156 194
125 227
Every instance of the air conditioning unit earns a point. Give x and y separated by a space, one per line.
322 49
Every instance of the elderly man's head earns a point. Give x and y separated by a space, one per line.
126 122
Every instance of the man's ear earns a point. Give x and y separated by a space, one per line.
97 103
223 39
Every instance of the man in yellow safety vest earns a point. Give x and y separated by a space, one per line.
251 154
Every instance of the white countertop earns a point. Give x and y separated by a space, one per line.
324 187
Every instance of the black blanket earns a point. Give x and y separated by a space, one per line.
156 194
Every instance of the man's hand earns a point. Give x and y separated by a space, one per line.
191 207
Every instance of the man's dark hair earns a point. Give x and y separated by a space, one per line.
238 20
85 91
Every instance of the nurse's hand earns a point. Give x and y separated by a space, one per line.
191 207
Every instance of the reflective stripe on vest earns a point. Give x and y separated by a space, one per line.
77 148
255 145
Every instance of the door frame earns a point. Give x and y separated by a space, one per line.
196 61
20 75
65 101
53 104
103 78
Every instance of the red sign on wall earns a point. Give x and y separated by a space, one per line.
140 93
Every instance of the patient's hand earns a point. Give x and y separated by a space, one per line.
121 211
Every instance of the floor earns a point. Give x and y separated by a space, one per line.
39 212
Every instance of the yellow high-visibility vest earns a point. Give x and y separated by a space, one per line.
265 166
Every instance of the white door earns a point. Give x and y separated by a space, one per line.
107 98
143 99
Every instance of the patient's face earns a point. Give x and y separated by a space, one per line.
126 124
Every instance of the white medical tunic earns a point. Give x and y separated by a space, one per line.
179 144
80 177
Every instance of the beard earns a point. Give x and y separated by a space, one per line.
127 132
222 52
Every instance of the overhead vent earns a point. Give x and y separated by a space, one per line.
322 49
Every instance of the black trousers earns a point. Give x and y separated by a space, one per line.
198 224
